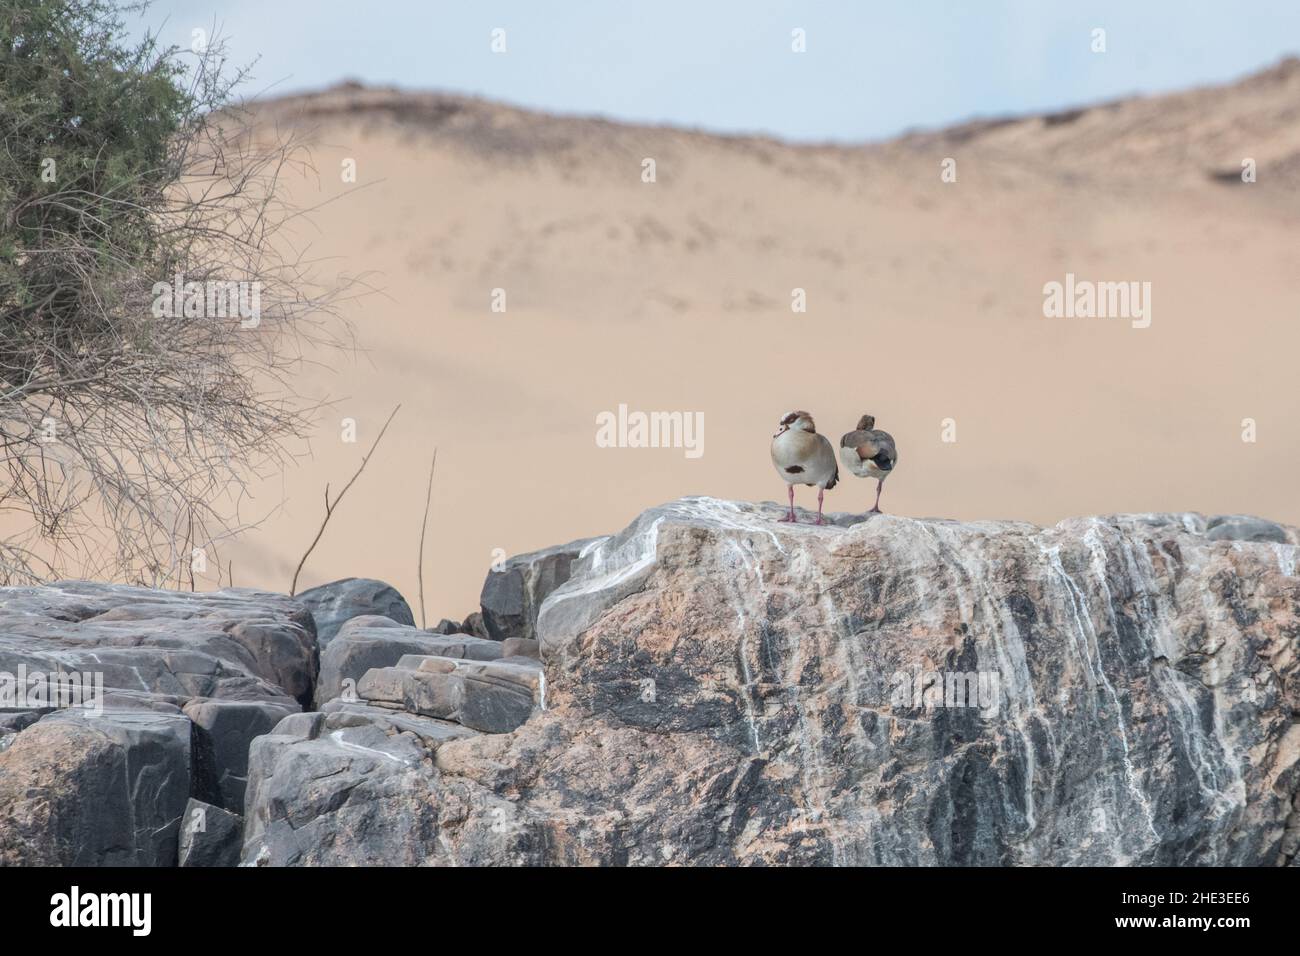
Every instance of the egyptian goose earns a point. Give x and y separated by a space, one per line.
804 457
869 454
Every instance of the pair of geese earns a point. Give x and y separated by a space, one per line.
804 457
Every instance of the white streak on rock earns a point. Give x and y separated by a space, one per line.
337 737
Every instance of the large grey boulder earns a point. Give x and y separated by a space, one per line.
184 682
724 689
84 790
369 642
333 605
210 836
498 696
427 692
223 731
349 786
232 643
513 592
492 696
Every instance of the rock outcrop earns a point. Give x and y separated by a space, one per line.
723 689
706 687
333 605
171 690
492 696
210 836
350 782
79 790
346 786
368 642
513 592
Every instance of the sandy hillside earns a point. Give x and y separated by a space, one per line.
925 303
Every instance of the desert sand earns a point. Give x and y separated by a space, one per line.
924 307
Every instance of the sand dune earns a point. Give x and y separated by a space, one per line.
924 303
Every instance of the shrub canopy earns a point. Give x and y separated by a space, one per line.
125 434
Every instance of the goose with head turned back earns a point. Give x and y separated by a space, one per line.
869 453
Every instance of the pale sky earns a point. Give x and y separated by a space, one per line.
872 69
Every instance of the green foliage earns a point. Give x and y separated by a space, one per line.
127 431
88 126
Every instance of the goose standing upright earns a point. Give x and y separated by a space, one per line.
803 457
869 454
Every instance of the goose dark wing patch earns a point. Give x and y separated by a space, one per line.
874 446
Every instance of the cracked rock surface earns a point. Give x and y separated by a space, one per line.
708 686
718 688
188 680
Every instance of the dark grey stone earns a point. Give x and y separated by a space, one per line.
493 705
474 625
513 593
223 731
84 790
1244 528
368 642
110 789
210 836
333 605
357 792
721 689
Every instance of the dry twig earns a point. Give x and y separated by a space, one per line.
424 526
329 507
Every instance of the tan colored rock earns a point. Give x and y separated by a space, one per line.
723 689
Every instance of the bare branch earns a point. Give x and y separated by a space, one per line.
129 433
330 507
424 526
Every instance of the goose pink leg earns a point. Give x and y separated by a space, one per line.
820 492
790 516
875 509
